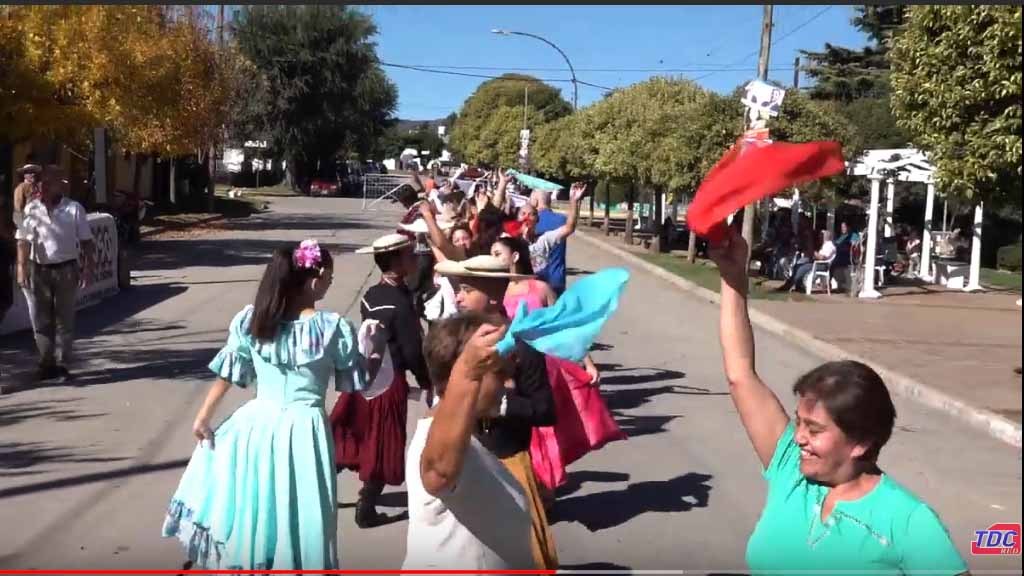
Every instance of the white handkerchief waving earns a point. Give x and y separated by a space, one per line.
373 345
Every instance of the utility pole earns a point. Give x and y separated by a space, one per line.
524 135
211 156
796 73
750 212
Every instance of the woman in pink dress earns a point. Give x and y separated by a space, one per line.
583 420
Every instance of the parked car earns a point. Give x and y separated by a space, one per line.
323 187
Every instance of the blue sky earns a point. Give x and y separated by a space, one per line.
693 39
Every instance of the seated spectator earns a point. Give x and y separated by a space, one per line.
914 252
826 252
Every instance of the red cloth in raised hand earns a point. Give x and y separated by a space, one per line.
747 174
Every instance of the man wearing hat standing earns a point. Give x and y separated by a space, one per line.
26 191
370 434
52 236
480 286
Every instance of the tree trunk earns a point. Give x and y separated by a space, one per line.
174 181
590 219
297 171
659 228
628 236
691 249
607 208
211 183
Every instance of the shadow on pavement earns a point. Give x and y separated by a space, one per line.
136 470
62 410
650 376
613 508
633 398
573 271
387 500
23 458
292 222
150 363
19 347
214 252
598 567
575 480
636 426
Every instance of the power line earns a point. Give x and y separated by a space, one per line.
489 76
704 68
774 42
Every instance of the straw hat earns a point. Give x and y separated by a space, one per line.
483 266
30 169
419 226
388 243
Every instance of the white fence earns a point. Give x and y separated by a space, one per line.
381 187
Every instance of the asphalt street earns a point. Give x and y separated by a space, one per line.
86 472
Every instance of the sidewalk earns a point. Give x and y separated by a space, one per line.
942 342
965 345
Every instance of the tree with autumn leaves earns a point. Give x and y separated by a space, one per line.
151 74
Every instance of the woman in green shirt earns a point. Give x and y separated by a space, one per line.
828 506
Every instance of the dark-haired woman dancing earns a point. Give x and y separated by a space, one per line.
259 492
829 507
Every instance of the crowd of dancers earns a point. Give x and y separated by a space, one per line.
508 410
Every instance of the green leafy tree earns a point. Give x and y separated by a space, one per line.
859 78
847 74
317 88
957 90
501 97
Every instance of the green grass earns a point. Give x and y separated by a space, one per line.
1000 280
705 275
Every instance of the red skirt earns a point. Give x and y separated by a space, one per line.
369 435
583 423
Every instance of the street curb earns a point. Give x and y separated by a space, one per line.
993 424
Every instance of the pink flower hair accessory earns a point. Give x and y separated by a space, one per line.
307 255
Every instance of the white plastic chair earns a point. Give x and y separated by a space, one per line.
820 269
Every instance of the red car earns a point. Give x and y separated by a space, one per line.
323 187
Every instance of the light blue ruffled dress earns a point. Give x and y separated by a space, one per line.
264 496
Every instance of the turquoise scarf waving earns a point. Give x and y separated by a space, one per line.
567 329
534 182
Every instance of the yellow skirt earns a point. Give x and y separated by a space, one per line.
542 541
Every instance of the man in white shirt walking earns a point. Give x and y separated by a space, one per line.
54 232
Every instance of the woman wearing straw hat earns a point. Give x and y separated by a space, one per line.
370 434
480 285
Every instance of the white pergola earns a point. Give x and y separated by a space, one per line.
906 165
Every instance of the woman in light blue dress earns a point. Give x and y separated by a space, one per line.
259 492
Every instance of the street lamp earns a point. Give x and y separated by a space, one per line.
575 88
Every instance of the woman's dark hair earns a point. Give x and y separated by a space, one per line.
857 400
445 341
407 196
462 226
282 282
518 246
489 228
